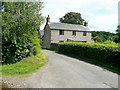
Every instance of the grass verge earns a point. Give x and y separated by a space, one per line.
26 66
95 62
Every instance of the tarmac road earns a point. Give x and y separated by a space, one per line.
66 72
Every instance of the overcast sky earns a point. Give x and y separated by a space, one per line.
102 15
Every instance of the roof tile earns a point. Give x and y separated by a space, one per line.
65 26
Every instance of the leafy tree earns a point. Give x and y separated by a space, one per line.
20 22
72 18
97 39
105 35
118 33
115 38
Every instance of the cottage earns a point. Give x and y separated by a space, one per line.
63 32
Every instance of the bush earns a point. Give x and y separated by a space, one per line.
109 42
101 52
20 30
14 52
36 45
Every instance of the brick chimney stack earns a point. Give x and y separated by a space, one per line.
85 24
48 19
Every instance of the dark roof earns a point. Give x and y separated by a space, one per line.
65 26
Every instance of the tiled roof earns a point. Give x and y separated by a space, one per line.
65 26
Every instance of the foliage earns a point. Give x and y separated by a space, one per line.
101 52
20 22
98 39
27 65
118 33
115 38
36 45
72 18
14 52
109 42
102 36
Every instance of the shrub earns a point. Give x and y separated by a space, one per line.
36 45
20 30
102 52
109 42
14 52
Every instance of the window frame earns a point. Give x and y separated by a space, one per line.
61 32
74 33
84 33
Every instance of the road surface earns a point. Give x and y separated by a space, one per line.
66 72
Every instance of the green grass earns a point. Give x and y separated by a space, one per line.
26 66
95 62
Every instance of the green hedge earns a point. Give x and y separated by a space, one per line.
109 54
15 52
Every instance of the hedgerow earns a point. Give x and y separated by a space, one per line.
101 52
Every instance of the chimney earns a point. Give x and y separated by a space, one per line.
85 24
48 19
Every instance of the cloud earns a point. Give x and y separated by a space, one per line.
101 14
104 22
119 13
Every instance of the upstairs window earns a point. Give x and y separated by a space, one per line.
84 33
74 33
61 32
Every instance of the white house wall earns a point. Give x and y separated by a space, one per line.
55 37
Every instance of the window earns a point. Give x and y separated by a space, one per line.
74 33
61 41
61 32
84 33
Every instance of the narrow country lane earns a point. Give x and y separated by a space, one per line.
66 72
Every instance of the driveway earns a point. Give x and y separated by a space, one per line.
66 72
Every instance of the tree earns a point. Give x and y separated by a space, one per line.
20 22
98 39
116 38
72 18
118 33
105 35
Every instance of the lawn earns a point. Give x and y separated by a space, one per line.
26 66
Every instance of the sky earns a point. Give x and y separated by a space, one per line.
102 15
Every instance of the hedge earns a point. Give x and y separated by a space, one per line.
106 53
15 52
